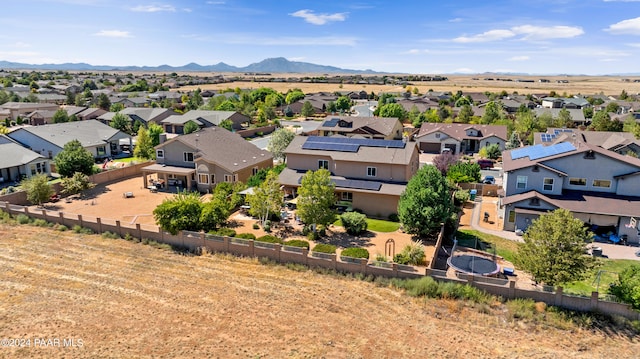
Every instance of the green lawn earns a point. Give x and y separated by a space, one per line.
487 242
609 268
376 225
129 159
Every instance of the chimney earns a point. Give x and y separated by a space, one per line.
163 138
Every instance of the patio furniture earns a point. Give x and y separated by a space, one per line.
127 195
152 188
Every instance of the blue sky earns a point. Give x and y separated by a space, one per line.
422 36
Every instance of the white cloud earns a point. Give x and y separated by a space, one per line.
21 45
113 33
457 19
629 27
491 35
215 2
519 58
319 19
415 52
153 8
532 32
526 32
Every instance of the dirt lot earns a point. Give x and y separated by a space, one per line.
107 201
586 85
128 300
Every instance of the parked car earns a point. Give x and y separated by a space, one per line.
489 180
485 164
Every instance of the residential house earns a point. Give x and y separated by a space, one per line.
18 162
40 117
48 140
620 142
204 118
205 158
577 115
598 186
459 137
22 109
387 128
369 174
91 113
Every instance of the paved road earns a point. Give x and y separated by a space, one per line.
363 108
305 126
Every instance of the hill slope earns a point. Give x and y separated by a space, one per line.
128 300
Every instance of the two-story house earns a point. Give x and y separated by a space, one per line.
204 158
598 186
369 174
204 118
619 142
386 128
459 137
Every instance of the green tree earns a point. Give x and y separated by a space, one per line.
627 287
37 188
190 127
601 121
307 109
60 116
144 145
343 103
77 183
464 172
554 249
74 158
214 214
155 131
116 107
612 107
393 110
354 223
266 199
294 96
103 102
564 117
121 122
226 124
316 198
514 141
493 151
180 212
492 113
425 203
280 140
466 114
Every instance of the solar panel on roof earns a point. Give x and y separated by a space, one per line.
356 141
324 146
541 151
357 184
331 123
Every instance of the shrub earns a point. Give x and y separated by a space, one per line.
61 227
269 239
381 258
23 219
128 237
5 217
297 243
461 196
41 223
411 254
355 252
267 228
81 230
256 226
393 217
110 235
246 236
354 223
225 232
325 248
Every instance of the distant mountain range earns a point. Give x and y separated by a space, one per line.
273 65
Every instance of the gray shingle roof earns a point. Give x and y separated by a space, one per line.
89 133
15 155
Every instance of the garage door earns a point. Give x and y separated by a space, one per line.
429 147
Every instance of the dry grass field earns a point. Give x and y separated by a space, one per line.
585 85
128 300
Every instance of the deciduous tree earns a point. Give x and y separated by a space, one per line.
307 109
121 122
425 203
627 287
190 127
37 188
280 140
60 116
144 145
74 158
393 110
267 198
554 249
316 198
77 183
180 212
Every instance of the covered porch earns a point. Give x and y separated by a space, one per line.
158 177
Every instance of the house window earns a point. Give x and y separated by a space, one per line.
159 153
101 150
323 164
203 178
534 201
213 178
536 168
602 183
578 181
188 156
228 178
235 177
347 196
372 171
521 182
547 184
512 216
590 155
254 171
437 135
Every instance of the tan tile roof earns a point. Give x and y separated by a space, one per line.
382 125
458 130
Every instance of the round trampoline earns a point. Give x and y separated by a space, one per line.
473 264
